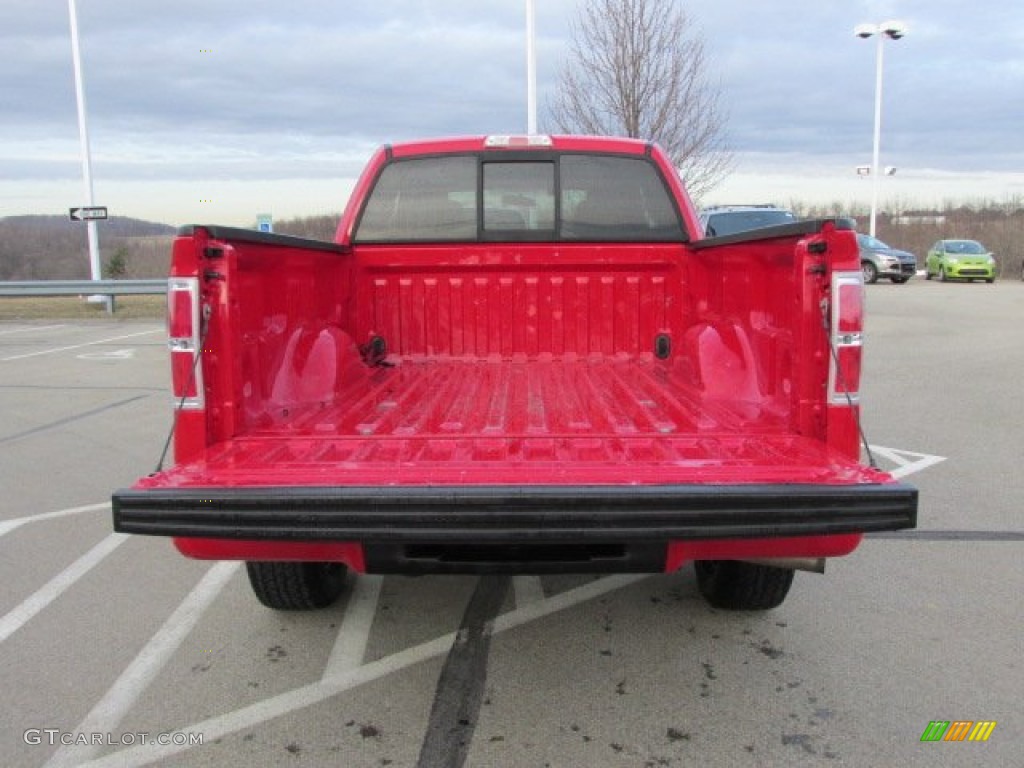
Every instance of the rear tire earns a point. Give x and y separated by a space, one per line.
735 586
296 586
900 280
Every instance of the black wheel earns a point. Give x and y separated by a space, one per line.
296 586
990 280
927 274
942 274
736 586
870 271
900 280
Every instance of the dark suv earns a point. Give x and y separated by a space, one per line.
720 220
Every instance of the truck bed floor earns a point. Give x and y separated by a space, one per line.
572 422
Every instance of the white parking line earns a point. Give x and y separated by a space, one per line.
354 633
55 587
908 462
125 691
32 328
114 354
6 526
299 698
79 346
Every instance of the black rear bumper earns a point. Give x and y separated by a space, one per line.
515 514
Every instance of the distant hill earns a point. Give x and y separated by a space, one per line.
115 226
55 248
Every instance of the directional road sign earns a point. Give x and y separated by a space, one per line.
88 214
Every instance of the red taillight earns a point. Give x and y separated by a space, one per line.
850 296
183 383
183 339
179 311
847 329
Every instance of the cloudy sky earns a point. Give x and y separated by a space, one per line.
216 110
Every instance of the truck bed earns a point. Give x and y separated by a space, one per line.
595 402
453 464
437 422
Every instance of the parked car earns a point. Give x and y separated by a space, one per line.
962 259
720 220
880 260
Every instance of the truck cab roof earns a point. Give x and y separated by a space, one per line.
536 142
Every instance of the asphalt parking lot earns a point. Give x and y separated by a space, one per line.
118 640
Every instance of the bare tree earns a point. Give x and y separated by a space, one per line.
638 68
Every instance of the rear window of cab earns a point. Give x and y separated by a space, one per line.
526 197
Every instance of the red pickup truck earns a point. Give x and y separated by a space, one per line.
519 355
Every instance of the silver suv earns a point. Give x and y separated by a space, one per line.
879 260
720 220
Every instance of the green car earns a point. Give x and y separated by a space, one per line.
965 259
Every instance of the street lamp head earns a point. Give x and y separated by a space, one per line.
893 29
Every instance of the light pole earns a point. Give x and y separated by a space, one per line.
531 69
893 30
94 246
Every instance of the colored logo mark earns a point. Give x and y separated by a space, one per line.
958 730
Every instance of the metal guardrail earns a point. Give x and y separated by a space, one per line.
82 287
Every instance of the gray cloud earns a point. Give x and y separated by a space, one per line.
249 90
